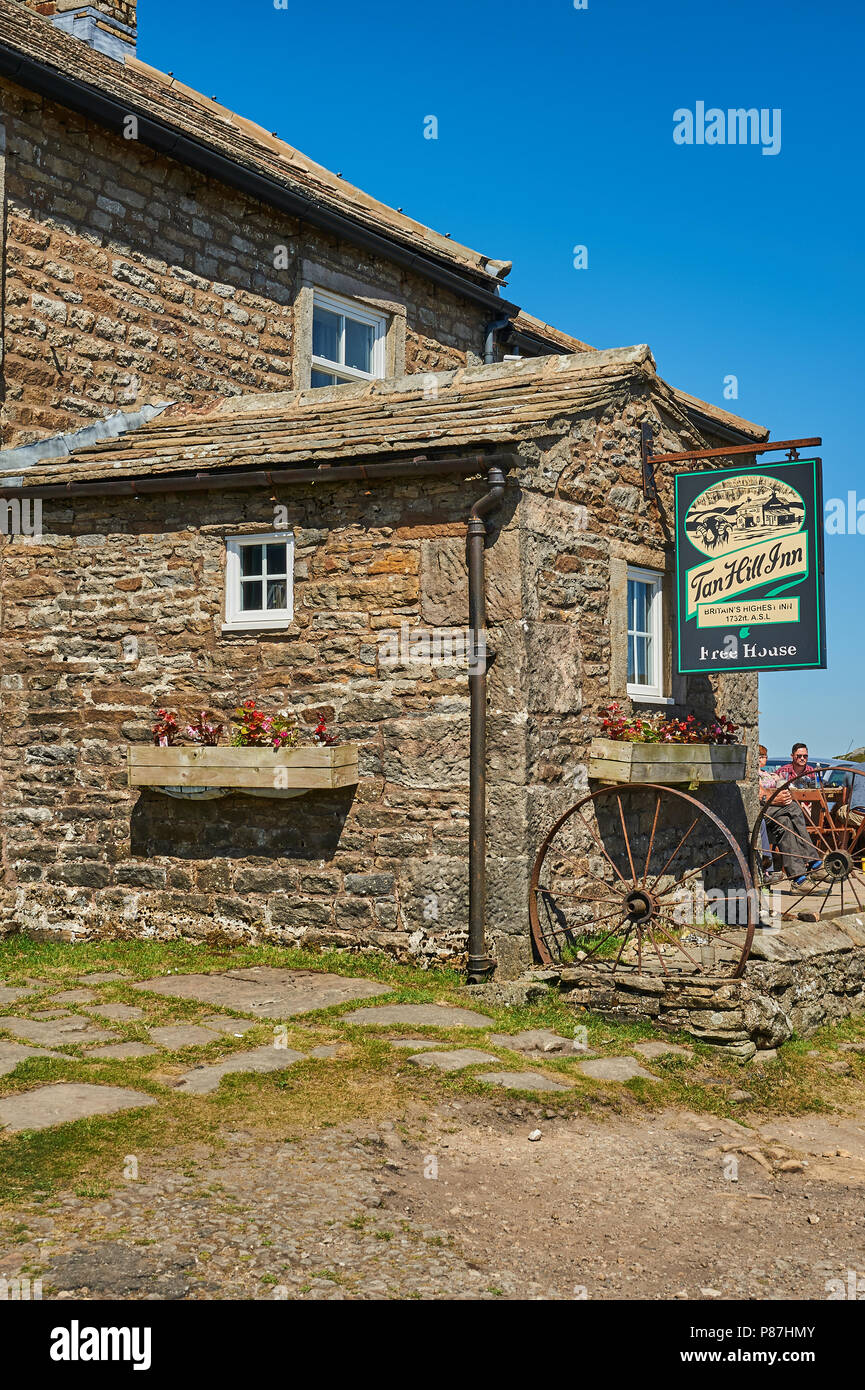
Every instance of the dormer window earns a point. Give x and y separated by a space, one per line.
348 341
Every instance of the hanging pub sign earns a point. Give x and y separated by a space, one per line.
749 568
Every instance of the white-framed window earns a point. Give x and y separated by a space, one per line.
259 588
645 634
348 341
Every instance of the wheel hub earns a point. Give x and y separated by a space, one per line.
838 863
641 905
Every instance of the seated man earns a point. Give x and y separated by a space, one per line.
798 766
788 824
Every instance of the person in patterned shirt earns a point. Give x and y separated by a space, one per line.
788 825
798 766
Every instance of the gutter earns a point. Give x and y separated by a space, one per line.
106 110
534 346
220 479
707 424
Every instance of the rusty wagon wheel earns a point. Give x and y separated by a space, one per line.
834 835
642 879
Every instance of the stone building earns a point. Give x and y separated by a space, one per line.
158 247
210 343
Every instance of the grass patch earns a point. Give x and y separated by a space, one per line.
369 1081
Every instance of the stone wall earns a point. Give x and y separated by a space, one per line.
118 610
581 511
797 979
131 279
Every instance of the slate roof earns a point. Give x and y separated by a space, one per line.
473 408
536 328
141 88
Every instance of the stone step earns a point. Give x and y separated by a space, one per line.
10 994
66 1101
452 1061
177 1035
431 1015
122 1051
521 1081
202 1080
59 1032
615 1069
265 992
536 1040
12 1053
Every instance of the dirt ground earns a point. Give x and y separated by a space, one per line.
349 1171
463 1204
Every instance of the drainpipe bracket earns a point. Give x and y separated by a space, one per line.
480 968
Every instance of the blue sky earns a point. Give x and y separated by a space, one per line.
555 130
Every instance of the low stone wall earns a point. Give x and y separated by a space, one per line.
796 980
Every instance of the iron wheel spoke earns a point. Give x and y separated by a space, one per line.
675 852
651 937
828 896
850 880
598 944
690 872
652 838
602 917
809 844
578 897
806 892
676 942
627 841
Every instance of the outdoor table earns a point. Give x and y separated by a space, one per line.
824 797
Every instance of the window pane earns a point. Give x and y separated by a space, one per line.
250 595
250 559
322 378
325 334
276 593
276 559
642 655
632 661
638 603
359 340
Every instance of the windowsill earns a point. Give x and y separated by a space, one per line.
640 697
263 625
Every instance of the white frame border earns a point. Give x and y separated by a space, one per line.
653 693
351 308
236 620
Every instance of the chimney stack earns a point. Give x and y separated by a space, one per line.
106 25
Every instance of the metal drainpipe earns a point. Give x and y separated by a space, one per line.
490 339
480 965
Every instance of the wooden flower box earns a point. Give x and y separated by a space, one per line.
611 760
255 771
